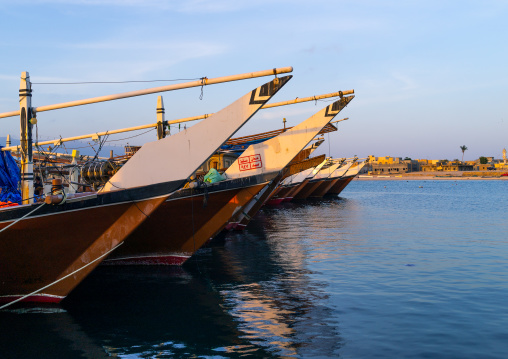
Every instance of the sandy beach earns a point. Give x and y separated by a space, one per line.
437 175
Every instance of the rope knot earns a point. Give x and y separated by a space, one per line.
203 83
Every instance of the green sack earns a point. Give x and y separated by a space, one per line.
213 176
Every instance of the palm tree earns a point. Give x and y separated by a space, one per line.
463 149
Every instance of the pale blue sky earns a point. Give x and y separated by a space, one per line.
429 76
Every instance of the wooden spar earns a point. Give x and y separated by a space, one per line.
185 119
344 119
312 98
203 82
75 138
276 104
335 160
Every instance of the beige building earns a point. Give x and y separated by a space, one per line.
482 167
392 165
395 165
394 168
444 165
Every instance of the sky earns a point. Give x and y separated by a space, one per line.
428 76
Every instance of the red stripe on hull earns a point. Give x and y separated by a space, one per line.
274 201
167 260
235 226
239 227
230 226
36 298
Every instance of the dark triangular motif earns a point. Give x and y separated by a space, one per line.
267 90
333 109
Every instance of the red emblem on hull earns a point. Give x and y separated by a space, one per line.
250 162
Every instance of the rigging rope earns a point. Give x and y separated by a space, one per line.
109 82
19 219
130 198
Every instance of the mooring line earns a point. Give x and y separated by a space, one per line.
61 279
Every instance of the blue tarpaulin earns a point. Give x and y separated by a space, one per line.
243 146
10 178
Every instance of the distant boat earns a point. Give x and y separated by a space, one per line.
334 178
342 182
279 195
291 185
318 179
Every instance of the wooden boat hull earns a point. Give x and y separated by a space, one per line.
46 254
274 201
244 216
338 187
297 172
323 188
284 191
308 189
277 153
183 223
299 187
58 246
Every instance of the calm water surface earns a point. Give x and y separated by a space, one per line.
414 269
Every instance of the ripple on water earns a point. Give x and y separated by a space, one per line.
395 272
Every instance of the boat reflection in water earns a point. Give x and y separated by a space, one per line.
267 287
251 295
147 311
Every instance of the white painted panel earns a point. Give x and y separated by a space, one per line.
298 177
356 169
177 157
274 154
339 172
326 172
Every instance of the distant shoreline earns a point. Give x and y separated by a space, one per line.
429 176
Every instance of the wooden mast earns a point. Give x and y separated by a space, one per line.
26 123
161 131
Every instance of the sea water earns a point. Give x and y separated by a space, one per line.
390 269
